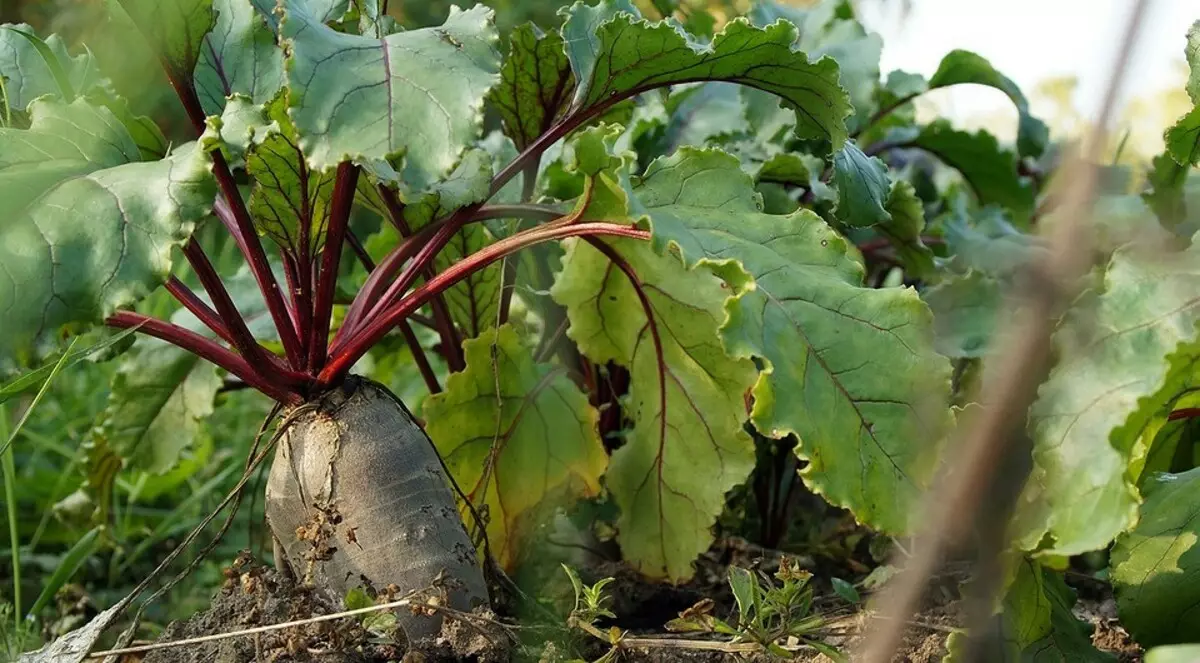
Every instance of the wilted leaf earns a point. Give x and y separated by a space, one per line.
519 450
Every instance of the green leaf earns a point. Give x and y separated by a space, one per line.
862 183
903 229
1174 654
616 54
418 93
961 66
686 448
522 450
990 172
845 590
986 241
30 72
239 56
827 342
475 300
35 378
1154 566
86 231
536 84
1106 388
174 28
1165 194
1038 622
159 396
289 201
824 30
1183 139
964 313
704 113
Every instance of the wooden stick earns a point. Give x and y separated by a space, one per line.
1020 366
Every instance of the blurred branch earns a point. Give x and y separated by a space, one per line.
1021 364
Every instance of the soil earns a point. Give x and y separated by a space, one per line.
256 595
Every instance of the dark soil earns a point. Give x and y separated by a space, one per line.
256 595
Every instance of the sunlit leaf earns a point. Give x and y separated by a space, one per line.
614 54
417 93
529 447
686 447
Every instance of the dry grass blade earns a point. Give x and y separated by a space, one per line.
251 631
1021 364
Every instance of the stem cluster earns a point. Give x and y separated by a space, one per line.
312 358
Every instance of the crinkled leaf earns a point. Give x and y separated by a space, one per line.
239 56
849 370
863 185
86 229
989 170
1106 388
903 229
536 84
174 28
616 54
824 29
28 75
1183 139
475 300
158 398
1154 566
290 202
149 138
530 446
417 93
961 66
964 313
686 448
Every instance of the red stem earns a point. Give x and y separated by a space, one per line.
343 355
205 349
245 236
235 324
198 307
622 264
412 244
1184 413
406 330
331 255
252 249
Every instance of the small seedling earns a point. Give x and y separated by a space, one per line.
768 612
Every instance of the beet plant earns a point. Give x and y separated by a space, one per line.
638 243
